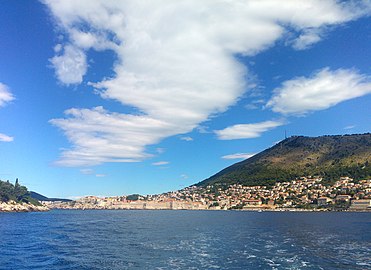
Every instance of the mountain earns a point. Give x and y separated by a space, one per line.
327 156
40 197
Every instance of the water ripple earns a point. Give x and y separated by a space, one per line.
64 240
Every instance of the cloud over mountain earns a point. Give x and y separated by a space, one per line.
246 131
324 89
175 63
238 156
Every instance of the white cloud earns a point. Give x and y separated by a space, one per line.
238 156
175 63
306 39
71 66
100 175
187 139
350 127
100 136
324 89
5 95
160 163
246 131
5 138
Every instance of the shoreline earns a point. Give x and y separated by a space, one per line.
14 207
43 209
238 210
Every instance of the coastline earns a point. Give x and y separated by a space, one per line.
13 207
279 210
23 208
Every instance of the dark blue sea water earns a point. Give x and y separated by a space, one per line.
71 239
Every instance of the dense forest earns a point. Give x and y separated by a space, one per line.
329 157
16 192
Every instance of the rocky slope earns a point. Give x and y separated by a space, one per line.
13 206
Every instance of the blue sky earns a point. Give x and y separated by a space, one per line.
110 98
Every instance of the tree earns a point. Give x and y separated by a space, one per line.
15 192
133 197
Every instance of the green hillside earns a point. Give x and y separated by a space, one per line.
326 156
16 192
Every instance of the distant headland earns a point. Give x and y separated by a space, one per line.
16 198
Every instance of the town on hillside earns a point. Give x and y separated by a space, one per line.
306 193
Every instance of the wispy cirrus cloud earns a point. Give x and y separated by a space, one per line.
350 127
186 138
160 163
239 156
175 63
5 95
5 138
246 131
87 171
325 88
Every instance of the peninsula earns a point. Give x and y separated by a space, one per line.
16 198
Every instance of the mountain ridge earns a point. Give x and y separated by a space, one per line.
328 156
40 197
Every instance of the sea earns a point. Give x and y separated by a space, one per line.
179 239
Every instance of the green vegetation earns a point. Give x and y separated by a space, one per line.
214 204
133 197
15 192
329 157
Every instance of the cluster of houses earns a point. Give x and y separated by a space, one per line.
306 192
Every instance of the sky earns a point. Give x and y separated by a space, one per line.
112 98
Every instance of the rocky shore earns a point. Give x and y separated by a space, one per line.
13 206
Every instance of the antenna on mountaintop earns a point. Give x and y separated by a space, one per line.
285 135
